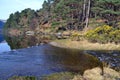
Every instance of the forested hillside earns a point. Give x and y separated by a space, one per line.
67 15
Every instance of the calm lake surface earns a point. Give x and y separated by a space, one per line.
42 60
1 38
4 47
45 59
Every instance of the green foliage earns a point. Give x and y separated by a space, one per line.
23 78
69 11
76 37
115 36
66 8
55 24
103 34
59 76
19 20
106 9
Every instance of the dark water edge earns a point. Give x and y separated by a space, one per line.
43 60
111 58
1 38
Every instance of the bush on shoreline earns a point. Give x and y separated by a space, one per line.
103 34
23 78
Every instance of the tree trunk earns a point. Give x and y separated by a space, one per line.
84 10
87 14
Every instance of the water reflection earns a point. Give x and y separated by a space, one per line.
1 38
4 47
74 60
24 41
44 59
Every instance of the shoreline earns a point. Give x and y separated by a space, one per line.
90 74
84 45
76 45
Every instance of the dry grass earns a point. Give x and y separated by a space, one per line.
95 74
84 45
59 76
92 74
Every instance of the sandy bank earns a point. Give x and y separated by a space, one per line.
84 45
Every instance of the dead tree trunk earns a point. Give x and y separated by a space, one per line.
87 15
84 10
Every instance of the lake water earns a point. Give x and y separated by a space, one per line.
45 59
42 60
1 38
4 47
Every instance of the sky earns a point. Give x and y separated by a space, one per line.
11 6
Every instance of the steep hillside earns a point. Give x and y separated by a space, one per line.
68 15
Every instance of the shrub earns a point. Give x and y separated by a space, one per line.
103 34
92 36
23 78
115 35
55 24
76 37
